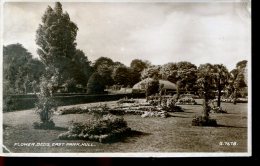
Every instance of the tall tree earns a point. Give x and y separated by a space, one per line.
56 40
222 76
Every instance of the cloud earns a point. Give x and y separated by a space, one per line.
159 32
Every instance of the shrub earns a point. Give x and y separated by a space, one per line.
186 100
46 105
76 128
161 114
126 100
154 102
8 103
152 88
106 129
44 125
95 84
73 110
169 105
203 121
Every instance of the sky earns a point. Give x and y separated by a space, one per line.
208 32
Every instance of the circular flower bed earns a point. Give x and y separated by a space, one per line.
108 128
161 114
186 100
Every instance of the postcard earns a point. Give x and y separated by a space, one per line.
129 78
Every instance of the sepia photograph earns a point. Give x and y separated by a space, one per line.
129 78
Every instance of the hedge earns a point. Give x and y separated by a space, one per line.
20 102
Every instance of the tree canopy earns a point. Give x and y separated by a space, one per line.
56 38
21 72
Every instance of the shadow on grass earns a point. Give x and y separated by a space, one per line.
60 128
126 137
227 126
54 128
224 126
178 116
185 111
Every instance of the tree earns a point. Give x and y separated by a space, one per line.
103 61
104 67
46 105
221 79
151 72
139 65
121 76
169 72
183 74
186 75
81 68
237 80
205 82
136 67
241 64
152 87
20 69
95 84
56 40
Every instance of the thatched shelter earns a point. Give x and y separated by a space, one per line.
167 85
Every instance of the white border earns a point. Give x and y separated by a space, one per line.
138 154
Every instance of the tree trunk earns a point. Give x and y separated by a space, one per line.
205 106
219 96
235 97
178 89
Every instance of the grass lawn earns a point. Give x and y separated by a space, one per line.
173 134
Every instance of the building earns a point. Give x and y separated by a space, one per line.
168 86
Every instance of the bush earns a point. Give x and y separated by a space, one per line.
44 125
73 110
46 105
152 88
203 121
106 129
95 84
169 105
186 100
45 108
126 100
154 102
161 114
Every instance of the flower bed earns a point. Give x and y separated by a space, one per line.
126 100
108 128
161 114
186 101
73 110
230 100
